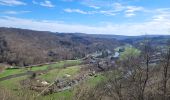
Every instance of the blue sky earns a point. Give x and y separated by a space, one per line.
121 17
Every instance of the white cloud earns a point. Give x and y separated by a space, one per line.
103 12
129 14
131 10
95 7
75 11
108 8
107 12
162 14
104 4
150 27
12 2
15 12
161 17
47 3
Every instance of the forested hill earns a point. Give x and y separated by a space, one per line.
23 47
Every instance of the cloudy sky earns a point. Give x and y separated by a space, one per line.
121 17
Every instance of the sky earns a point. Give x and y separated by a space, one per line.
118 17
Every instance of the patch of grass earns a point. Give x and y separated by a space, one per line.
14 86
37 68
57 65
57 73
93 81
64 95
13 83
60 64
8 72
15 89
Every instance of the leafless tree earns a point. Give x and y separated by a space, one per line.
166 65
147 57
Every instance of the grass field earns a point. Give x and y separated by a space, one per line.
13 85
57 65
59 73
15 88
93 81
64 95
8 72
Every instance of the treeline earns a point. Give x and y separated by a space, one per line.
20 47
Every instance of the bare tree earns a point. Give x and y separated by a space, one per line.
166 65
147 51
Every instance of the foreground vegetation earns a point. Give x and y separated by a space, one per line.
13 89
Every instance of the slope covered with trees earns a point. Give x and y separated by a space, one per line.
25 47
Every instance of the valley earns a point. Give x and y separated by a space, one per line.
35 66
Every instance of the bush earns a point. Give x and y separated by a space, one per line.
130 52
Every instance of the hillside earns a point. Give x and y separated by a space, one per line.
25 47
123 66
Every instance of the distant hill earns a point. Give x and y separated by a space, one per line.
157 40
123 37
25 47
